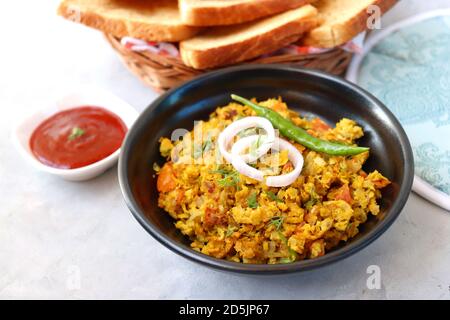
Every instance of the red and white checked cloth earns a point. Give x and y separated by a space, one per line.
170 49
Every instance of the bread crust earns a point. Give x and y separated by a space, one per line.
122 28
248 48
235 13
336 35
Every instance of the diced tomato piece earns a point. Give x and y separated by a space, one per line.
344 194
180 196
231 114
319 125
214 217
288 167
166 179
210 186
381 183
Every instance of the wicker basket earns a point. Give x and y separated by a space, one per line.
164 72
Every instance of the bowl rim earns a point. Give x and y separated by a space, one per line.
266 269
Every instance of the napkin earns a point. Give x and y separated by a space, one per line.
407 66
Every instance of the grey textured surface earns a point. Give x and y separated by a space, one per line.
78 240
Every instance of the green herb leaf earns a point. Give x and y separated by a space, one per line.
199 150
76 133
207 145
286 260
310 203
253 201
247 132
221 171
292 253
272 196
314 199
277 222
230 231
230 178
255 146
282 237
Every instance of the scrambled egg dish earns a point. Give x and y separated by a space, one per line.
230 216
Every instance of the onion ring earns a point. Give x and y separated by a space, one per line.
297 161
284 180
227 135
239 162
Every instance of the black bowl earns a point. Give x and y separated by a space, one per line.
306 91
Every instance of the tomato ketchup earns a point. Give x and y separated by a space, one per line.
77 137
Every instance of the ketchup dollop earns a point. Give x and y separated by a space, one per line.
77 137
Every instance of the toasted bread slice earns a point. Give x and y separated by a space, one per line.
342 21
228 45
227 12
154 20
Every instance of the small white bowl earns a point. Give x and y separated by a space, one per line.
84 96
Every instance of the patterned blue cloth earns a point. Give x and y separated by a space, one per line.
409 71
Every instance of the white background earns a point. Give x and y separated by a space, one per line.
54 232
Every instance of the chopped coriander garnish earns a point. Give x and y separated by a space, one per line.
286 260
230 177
272 196
253 201
199 150
292 253
207 145
255 146
230 180
221 171
247 132
310 203
277 222
314 199
282 237
76 133
230 231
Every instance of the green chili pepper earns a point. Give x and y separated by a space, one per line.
293 132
